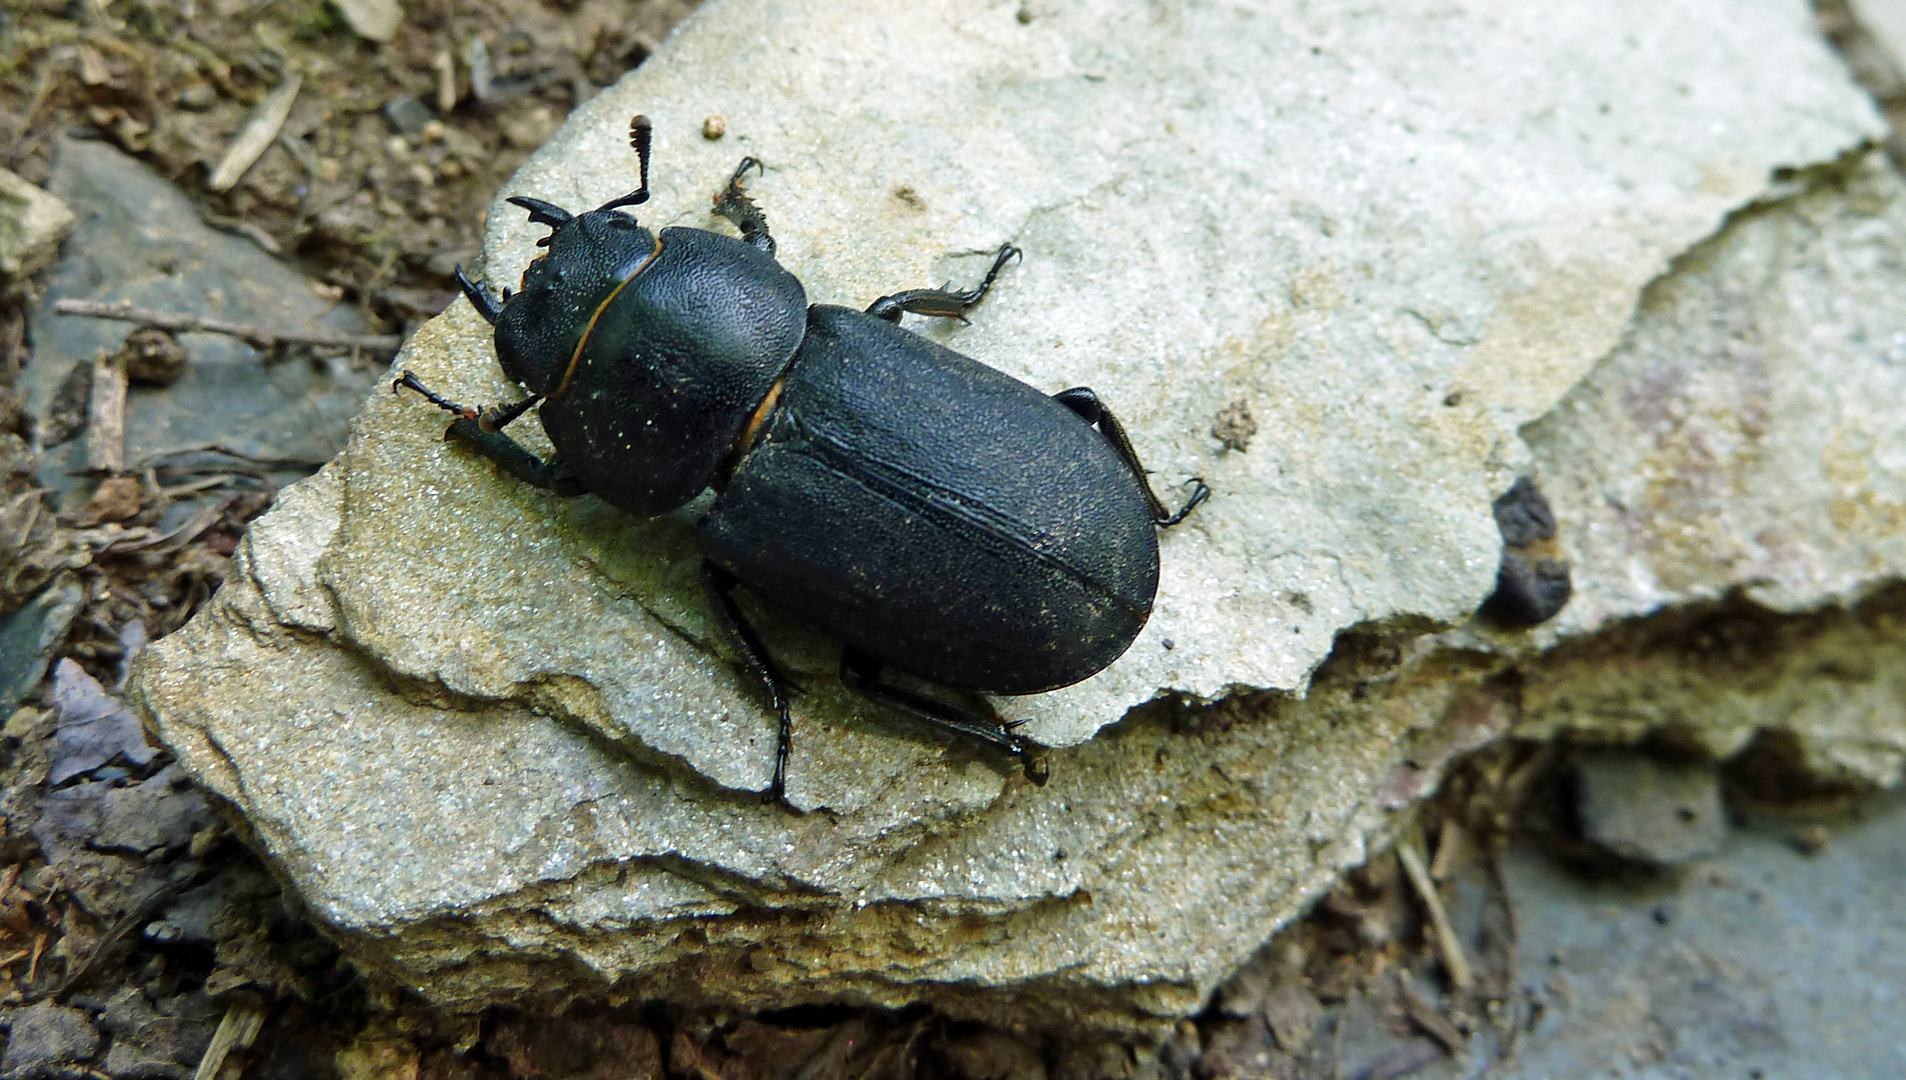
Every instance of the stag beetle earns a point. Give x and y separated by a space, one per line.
931 513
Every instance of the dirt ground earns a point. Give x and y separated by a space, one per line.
139 937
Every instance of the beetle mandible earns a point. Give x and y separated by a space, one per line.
931 513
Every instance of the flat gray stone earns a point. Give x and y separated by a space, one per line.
46 1035
32 224
485 730
94 727
140 239
1773 961
29 636
1646 810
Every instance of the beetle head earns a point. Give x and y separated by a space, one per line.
590 257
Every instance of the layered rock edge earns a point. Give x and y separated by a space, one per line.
484 801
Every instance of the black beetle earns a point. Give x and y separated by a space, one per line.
928 511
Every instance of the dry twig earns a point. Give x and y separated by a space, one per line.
258 337
237 1031
256 135
106 426
1409 851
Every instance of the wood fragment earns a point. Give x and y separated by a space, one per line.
1431 1021
33 965
1409 851
176 492
92 66
172 541
118 498
256 135
106 420
1452 850
258 337
245 229
446 66
236 1031
259 465
13 958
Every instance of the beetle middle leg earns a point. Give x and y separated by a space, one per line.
734 204
942 303
862 673
1085 402
720 585
482 430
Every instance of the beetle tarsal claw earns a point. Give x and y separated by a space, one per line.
407 380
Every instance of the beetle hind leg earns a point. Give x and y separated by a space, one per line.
942 303
734 204
862 674
720 585
1084 401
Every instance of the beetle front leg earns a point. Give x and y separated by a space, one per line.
720 585
942 303
734 204
863 674
482 430
478 293
1082 400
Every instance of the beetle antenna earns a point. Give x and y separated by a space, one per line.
641 134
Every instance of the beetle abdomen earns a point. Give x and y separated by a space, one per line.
938 514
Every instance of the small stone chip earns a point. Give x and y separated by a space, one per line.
714 127
153 357
47 1035
1234 426
116 499
1649 811
408 115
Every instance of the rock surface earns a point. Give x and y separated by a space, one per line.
1645 810
29 636
140 239
484 731
32 224
45 1036
1743 453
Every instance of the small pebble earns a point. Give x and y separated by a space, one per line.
154 357
1812 840
408 115
198 97
714 127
